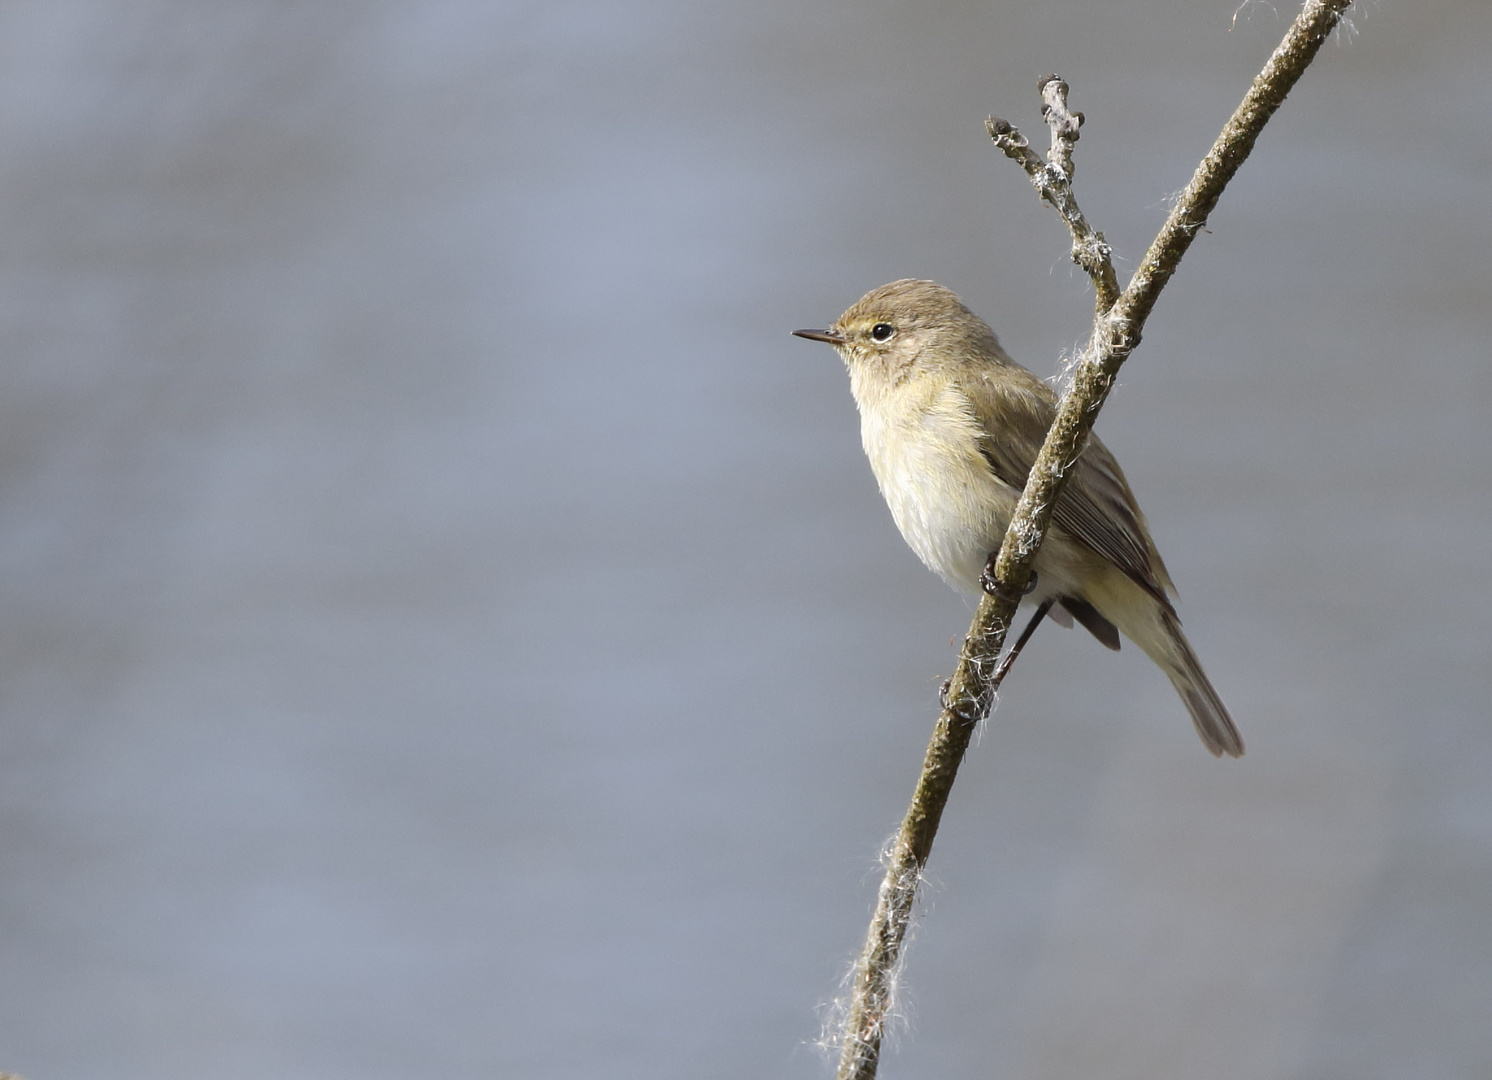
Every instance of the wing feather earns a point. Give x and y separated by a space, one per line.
1096 507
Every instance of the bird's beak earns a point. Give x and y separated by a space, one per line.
833 337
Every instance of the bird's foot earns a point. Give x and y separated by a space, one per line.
990 584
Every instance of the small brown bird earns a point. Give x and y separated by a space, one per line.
952 426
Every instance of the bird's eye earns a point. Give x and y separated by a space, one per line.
882 331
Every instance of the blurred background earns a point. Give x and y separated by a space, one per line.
449 627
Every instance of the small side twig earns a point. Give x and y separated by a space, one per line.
1054 181
1116 332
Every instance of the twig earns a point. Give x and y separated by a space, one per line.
1116 332
1064 123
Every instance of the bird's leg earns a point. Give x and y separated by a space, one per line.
1003 668
1020 642
991 585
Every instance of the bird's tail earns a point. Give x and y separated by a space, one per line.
1183 668
1153 626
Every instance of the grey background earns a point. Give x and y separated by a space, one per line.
449 627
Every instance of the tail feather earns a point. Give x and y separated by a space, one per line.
1154 627
1209 713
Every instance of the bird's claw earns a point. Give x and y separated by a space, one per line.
991 584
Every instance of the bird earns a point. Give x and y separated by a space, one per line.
952 426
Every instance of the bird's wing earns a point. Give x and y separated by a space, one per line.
1096 507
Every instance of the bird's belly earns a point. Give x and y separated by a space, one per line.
951 508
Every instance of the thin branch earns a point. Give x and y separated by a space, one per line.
966 700
1116 332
